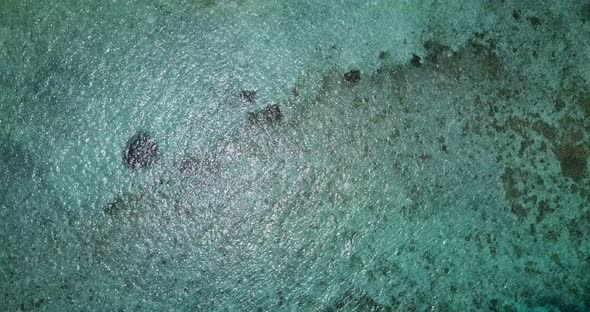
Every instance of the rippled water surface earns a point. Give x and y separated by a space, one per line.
257 155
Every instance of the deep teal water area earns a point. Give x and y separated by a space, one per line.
257 155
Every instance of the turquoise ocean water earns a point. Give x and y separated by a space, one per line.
310 155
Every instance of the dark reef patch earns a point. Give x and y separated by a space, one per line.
516 14
479 55
355 300
544 209
435 51
140 151
513 193
248 96
353 76
535 21
416 60
484 50
121 204
573 159
268 115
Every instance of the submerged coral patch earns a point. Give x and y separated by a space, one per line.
140 151
353 76
268 115
573 160
248 96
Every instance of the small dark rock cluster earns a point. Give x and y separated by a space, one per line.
248 96
122 204
114 207
141 151
353 76
270 114
416 61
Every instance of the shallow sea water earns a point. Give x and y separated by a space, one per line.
426 157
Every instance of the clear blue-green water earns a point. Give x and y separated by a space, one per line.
428 156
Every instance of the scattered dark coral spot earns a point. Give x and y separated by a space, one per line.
120 204
435 51
544 210
524 145
443 146
531 267
573 159
513 193
479 55
383 55
493 304
353 76
516 14
38 302
141 151
551 236
519 210
549 132
575 136
510 185
518 125
248 96
354 300
253 118
535 21
484 48
576 233
189 166
556 259
559 104
281 298
507 94
270 114
416 60
113 207
555 303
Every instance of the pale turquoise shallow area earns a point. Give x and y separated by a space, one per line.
431 156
